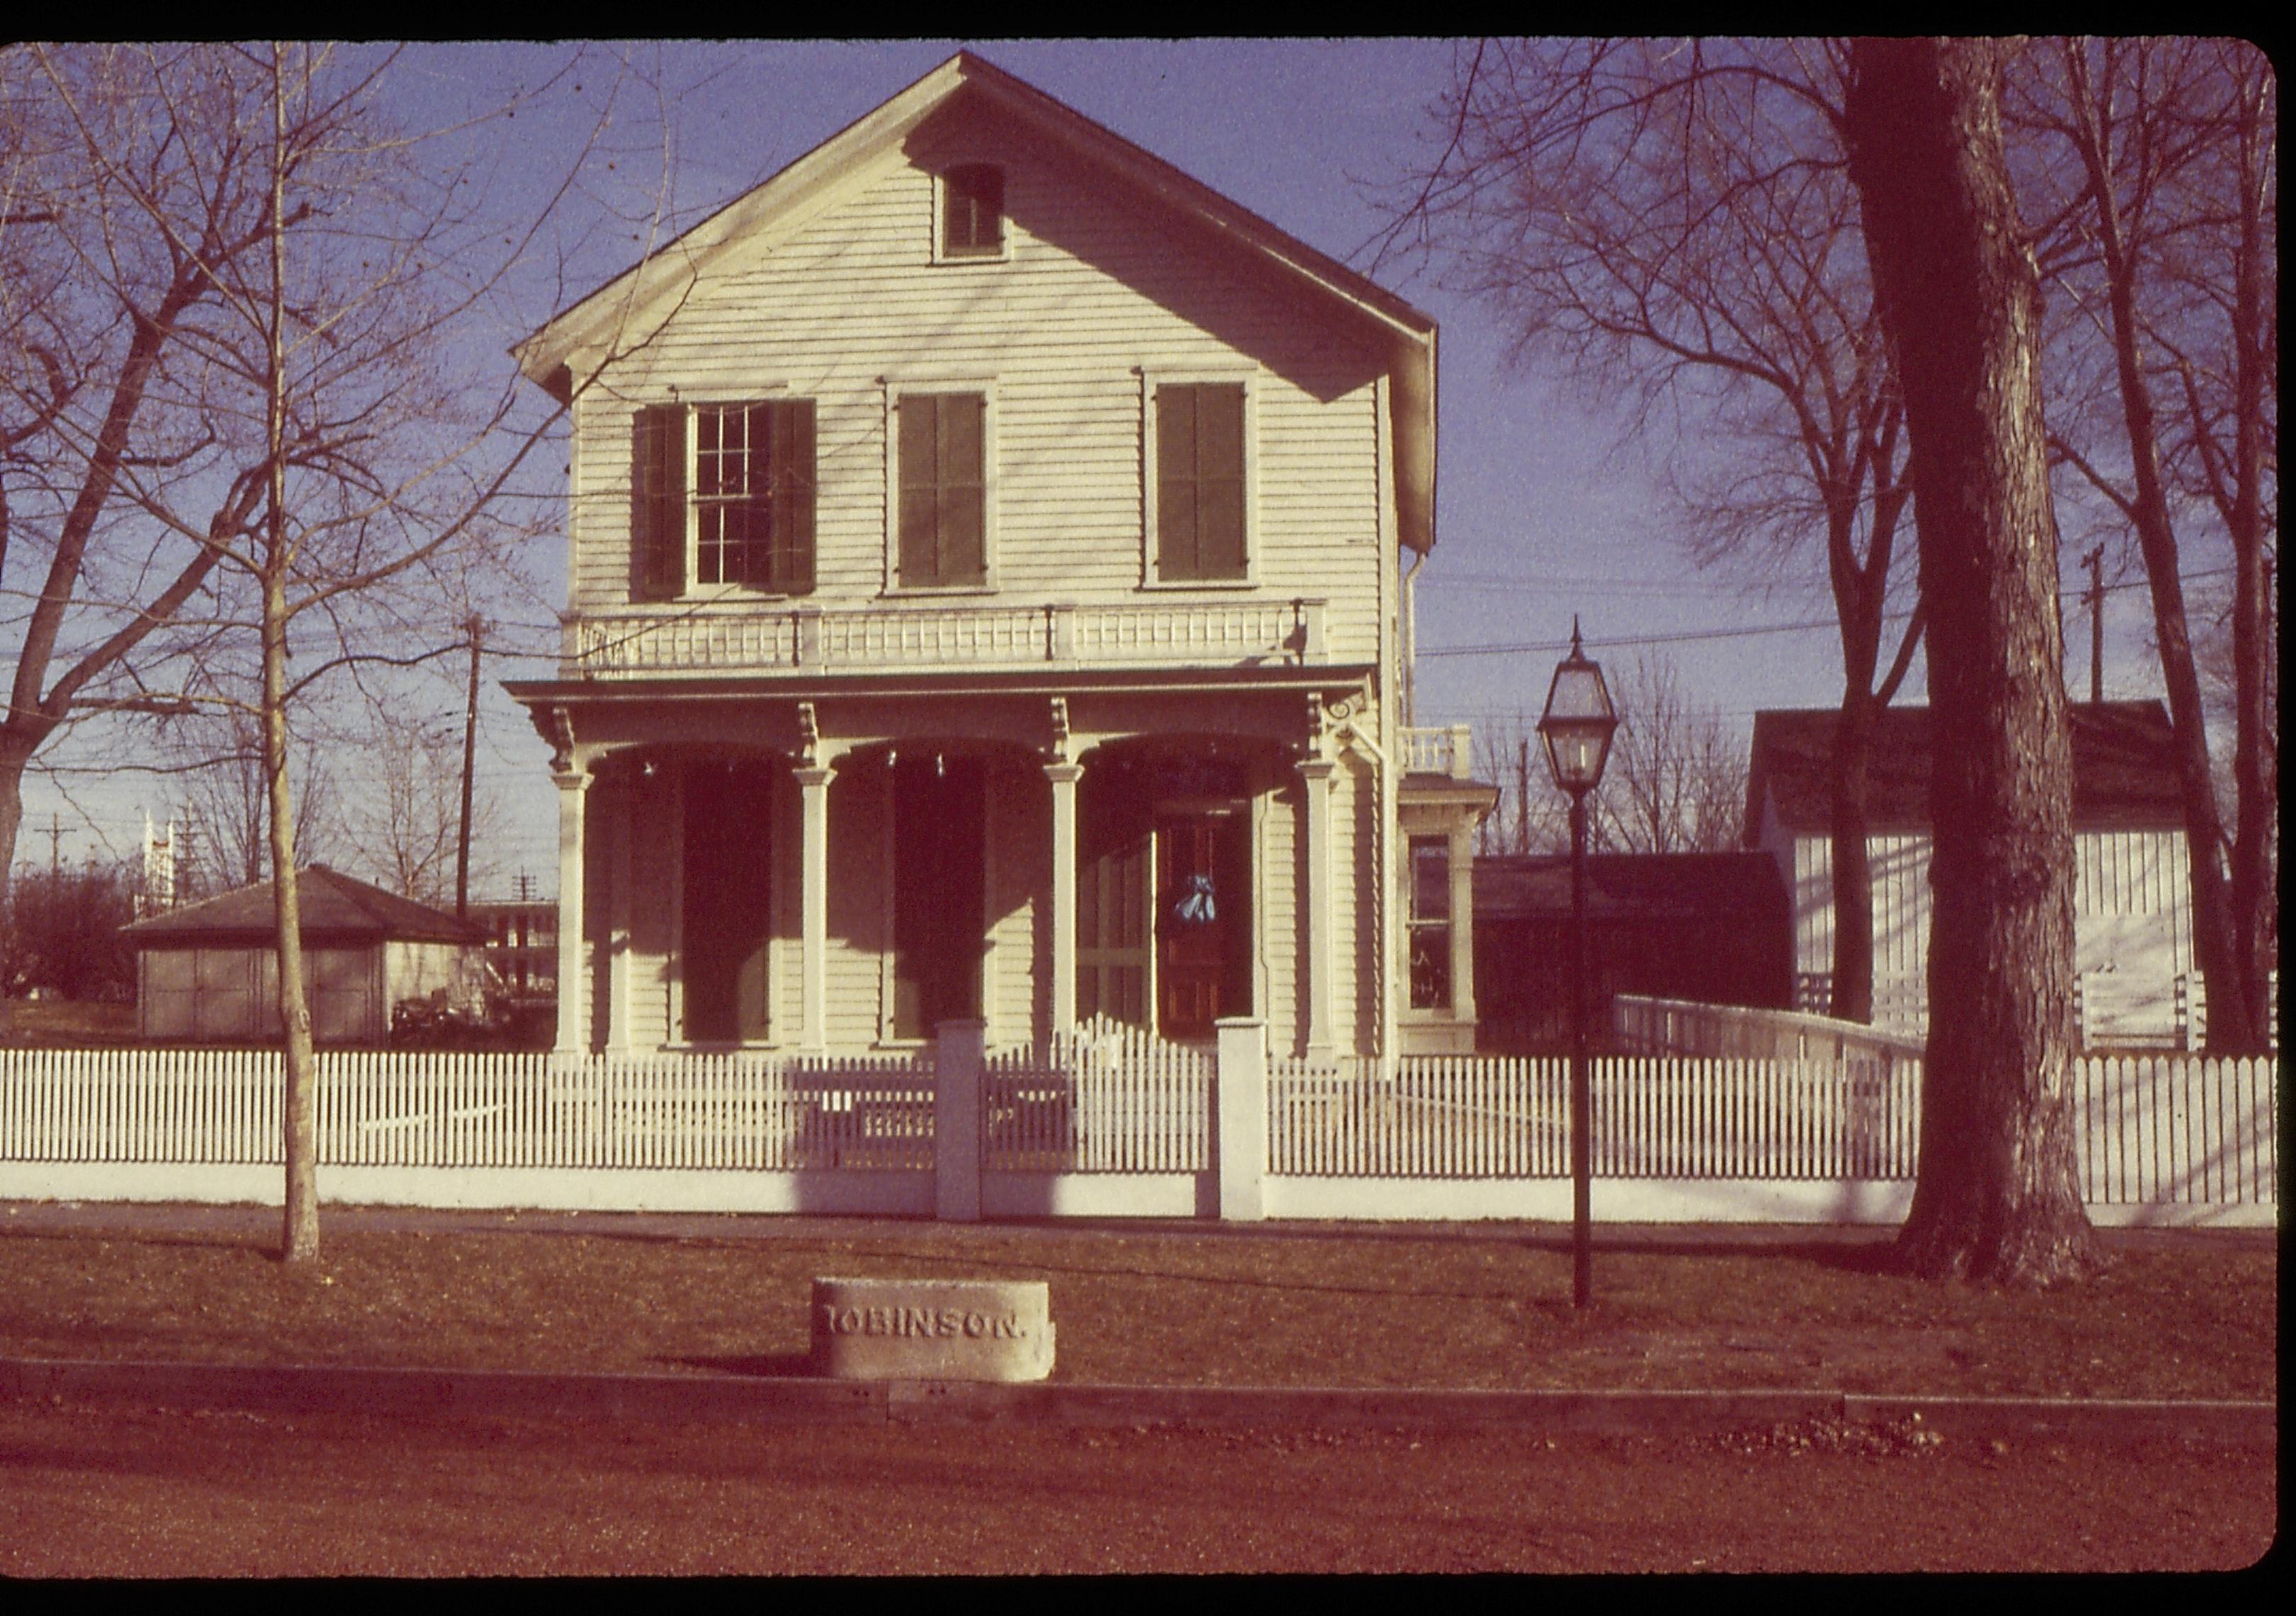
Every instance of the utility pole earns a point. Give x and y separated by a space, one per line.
1522 794
470 759
55 845
2094 561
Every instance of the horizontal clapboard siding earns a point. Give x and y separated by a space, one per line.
1100 288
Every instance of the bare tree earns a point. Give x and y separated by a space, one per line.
329 462
226 799
1672 219
1677 780
2154 175
103 320
1997 1196
408 825
1530 817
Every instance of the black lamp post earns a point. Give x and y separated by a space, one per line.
1577 728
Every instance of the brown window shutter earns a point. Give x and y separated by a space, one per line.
1220 481
791 481
1176 482
658 501
1200 481
943 499
920 491
960 501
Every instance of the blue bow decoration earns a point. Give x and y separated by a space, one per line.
1196 906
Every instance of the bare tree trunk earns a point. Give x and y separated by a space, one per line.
300 1233
1852 872
2256 772
1997 1196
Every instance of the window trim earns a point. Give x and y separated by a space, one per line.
941 251
688 406
1151 556
1415 923
894 388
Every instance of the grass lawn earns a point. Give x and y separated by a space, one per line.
2176 1316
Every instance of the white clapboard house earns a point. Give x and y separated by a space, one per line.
984 602
2132 905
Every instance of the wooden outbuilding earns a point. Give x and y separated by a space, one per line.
209 972
1707 927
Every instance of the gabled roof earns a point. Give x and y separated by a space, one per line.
332 907
634 303
2124 770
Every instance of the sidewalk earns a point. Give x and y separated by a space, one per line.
264 1221
722 1398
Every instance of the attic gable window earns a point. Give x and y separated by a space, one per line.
973 211
722 495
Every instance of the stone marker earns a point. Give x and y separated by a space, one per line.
932 1329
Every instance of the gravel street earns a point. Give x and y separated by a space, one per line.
126 1492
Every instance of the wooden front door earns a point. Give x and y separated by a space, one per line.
1202 922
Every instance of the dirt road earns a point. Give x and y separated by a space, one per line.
114 1492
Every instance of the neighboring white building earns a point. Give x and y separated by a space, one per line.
2132 905
984 602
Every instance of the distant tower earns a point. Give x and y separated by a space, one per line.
159 893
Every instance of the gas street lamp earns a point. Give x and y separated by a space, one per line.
1577 728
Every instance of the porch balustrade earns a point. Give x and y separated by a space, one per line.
1449 751
811 639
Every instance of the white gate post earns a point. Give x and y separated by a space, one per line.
958 1059
1240 1090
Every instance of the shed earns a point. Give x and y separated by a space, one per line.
209 971
1711 927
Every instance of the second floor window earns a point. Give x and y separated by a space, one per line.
1200 481
722 494
944 490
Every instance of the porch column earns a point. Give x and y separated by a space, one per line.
1461 871
1064 777
573 981
814 782
1315 903
622 807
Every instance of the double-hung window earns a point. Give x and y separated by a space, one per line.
973 211
943 511
722 495
1431 923
1199 510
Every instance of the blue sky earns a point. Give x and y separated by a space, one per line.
1542 513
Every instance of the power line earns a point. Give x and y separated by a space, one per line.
1690 636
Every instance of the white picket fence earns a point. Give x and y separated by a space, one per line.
1654 1117
1103 1099
429 1110
2159 1138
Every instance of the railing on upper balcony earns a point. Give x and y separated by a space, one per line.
813 639
1447 752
